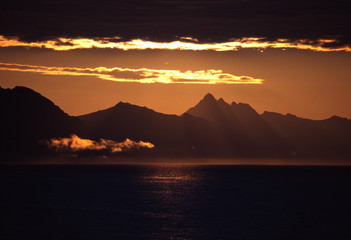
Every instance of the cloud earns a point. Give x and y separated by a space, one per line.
141 75
185 43
163 20
77 144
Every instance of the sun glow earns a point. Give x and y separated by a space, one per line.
185 43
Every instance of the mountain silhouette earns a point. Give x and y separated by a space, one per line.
274 134
241 129
27 117
323 138
212 128
173 134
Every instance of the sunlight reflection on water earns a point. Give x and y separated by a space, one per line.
172 174
173 201
171 192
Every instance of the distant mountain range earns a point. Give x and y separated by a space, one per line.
212 128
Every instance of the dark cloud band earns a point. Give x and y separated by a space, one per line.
164 20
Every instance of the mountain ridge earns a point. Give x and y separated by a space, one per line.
28 117
212 128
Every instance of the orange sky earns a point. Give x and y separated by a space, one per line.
302 82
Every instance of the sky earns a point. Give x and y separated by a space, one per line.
282 56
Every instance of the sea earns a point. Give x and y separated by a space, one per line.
174 201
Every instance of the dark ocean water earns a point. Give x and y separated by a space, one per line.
169 201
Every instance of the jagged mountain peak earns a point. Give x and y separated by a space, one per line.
210 97
120 103
245 108
221 100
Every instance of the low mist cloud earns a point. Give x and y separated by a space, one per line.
77 144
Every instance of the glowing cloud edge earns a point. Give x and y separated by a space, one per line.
141 75
184 43
77 144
